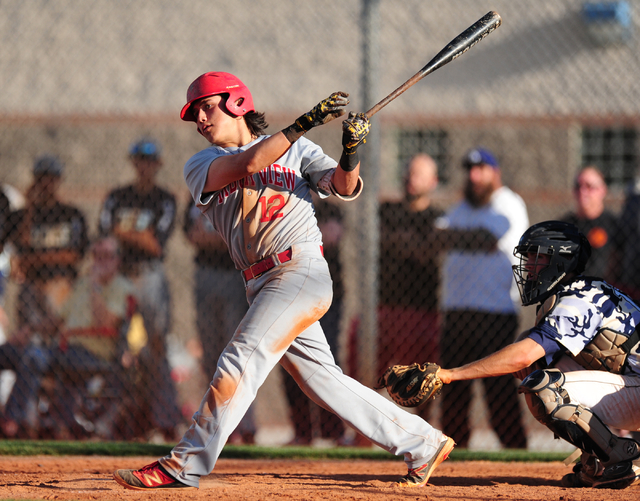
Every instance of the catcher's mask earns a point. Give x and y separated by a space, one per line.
548 252
213 83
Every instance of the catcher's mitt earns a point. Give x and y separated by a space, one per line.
411 385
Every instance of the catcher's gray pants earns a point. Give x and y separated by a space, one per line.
282 325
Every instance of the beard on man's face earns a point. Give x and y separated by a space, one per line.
478 195
410 197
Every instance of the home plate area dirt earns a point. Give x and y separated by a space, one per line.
90 478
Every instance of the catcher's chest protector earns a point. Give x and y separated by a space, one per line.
607 351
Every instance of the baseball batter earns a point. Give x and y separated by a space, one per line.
580 363
256 190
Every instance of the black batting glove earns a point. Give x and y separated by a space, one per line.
325 111
354 131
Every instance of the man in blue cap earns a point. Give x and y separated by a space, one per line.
480 299
142 217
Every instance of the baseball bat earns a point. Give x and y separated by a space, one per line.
458 46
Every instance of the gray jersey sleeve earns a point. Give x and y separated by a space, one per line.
195 173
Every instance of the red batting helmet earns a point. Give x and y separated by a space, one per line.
214 83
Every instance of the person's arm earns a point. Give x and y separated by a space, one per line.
144 240
345 182
50 257
228 168
202 238
509 360
354 131
479 239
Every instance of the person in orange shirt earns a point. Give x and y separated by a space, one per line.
593 219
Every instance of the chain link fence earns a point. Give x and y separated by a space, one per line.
117 297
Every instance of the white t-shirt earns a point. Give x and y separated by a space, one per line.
483 281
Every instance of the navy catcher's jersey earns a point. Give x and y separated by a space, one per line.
584 308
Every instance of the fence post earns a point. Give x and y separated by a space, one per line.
368 217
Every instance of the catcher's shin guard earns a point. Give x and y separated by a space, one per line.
551 405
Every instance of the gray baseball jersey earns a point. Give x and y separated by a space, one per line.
272 212
268 212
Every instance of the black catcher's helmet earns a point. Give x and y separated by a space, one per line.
568 251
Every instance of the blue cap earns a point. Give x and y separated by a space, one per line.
48 164
479 156
145 148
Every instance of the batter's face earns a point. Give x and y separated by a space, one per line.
215 123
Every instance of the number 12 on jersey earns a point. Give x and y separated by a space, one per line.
270 208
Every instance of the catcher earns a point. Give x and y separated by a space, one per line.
579 364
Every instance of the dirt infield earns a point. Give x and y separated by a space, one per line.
89 478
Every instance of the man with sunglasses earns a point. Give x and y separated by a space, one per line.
593 219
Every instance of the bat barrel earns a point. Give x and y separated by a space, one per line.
458 46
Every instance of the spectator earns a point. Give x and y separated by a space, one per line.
408 305
99 304
91 345
142 217
50 239
592 219
5 212
219 309
480 297
304 413
94 340
10 200
625 254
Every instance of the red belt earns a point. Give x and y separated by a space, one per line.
257 269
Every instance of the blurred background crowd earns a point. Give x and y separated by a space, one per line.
117 296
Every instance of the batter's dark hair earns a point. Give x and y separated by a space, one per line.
256 122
